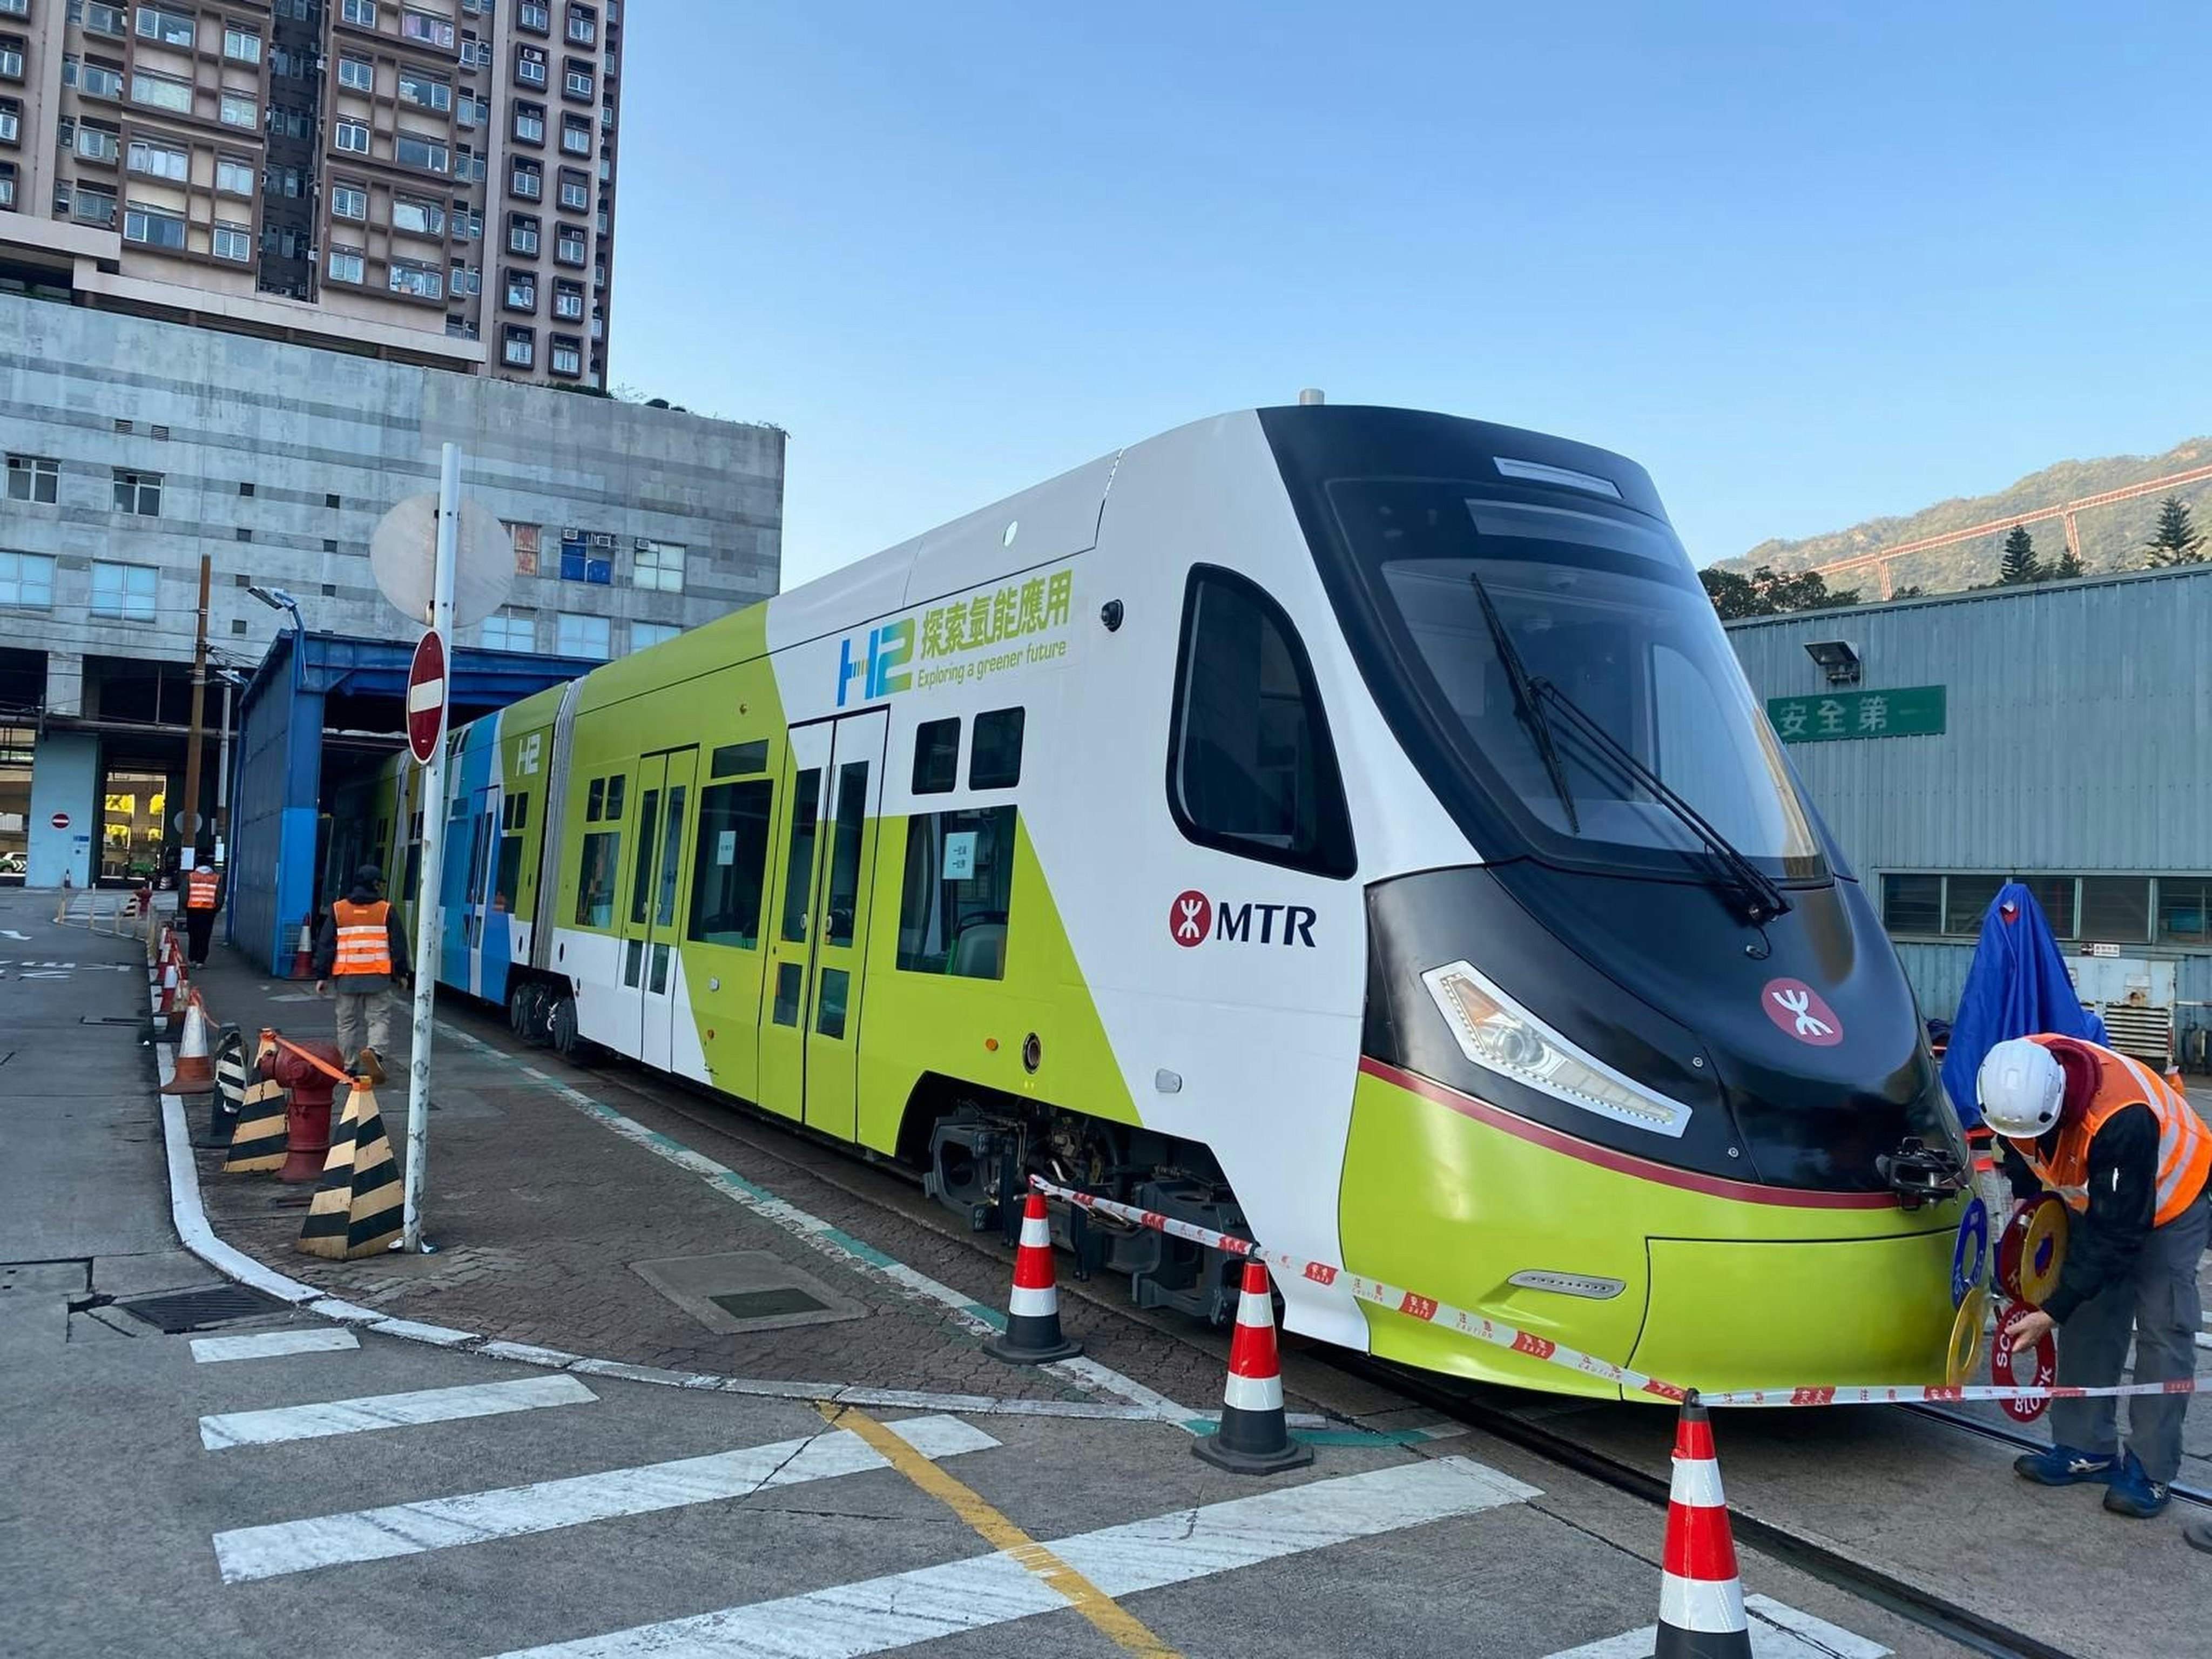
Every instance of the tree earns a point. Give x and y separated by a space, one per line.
2020 564
1768 592
2176 540
1911 591
2067 568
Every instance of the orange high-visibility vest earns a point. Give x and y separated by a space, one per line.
199 893
2184 1144
364 942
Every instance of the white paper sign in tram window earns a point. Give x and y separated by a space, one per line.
960 855
725 848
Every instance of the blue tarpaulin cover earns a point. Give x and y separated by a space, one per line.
2017 987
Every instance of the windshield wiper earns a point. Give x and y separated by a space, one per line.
1525 699
1765 897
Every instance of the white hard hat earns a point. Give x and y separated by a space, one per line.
2021 1089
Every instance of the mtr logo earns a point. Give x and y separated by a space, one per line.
1193 918
887 648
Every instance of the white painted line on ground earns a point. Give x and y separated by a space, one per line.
390 1411
438 1523
830 1240
440 1336
879 1615
212 1349
2204 1340
1777 1631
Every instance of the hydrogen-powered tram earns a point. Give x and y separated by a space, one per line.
1348 827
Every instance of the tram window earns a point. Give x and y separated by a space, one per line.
615 797
1912 904
995 755
727 866
595 800
851 812
1250 768
936 756
671 849
829 1004
595 885
734 759
453 877
510 873
798 864
640 878
958 887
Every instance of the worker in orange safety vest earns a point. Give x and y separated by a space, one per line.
361 953
2133 1161
203 898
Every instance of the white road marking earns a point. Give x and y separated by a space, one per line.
10 933
1777 1631
212 1349
251 1553
389 1410
879 1615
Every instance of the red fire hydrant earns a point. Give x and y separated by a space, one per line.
307 1108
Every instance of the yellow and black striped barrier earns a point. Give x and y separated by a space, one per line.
258 1140
357 1210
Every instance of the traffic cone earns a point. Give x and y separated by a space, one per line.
1032 1333
259 1139
1700 1595
1254 1437
165 1007
357 1209
303 953
194 1072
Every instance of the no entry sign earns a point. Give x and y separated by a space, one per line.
60 820
426 696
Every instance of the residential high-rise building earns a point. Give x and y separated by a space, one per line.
428 180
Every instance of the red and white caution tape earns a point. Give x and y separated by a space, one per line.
1429 1309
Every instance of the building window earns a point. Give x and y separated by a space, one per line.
417 218
138 492
356 74
567 356
234 177
422 282
583 26
535 14
568 246
468 223
11 60
527 181
93 205
575 191
127 590
425 90
152 226
469 110
2116 909
234 241
465 280
27 581
518 348
97 80
33 478
161 92
160 160
346 264
958 890
11 121
410 151
530 67
521 290
351 136
505 632
1966 901
530 124
362 14
575 135
587 558
521 233
659 566
645 633
240 45
1912 904
576 81
2184 910
430 30
171 28
97 143
568 300
348 200
100 19
239 109
582 636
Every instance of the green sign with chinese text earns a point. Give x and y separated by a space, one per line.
1909 711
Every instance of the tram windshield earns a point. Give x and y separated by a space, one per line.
1601 607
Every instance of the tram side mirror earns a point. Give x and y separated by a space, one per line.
1110 614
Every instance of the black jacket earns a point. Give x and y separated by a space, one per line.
326 949
2103 1242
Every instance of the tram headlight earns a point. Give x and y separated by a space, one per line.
1495 1031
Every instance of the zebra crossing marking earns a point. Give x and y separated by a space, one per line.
214 1350
389 1410
877 1616
1777 1631
288 1547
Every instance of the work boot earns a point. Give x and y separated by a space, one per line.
2064 1466
2133 1492
366 1065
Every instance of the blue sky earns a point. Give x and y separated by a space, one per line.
1808 264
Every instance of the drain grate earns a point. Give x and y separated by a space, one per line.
747 1291
777 1303
196 1311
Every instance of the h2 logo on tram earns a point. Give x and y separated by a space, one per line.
889 646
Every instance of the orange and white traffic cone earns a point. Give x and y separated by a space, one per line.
1700 1595
165 1005
1254 1436
303 953
195 1069
1032 1335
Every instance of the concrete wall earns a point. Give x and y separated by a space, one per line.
65 768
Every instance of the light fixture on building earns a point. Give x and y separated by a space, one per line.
278 600
1839 660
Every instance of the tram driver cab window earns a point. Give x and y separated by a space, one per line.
1250 768
958 887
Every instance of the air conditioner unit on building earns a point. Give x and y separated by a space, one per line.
601 539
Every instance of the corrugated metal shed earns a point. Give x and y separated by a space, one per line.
2079 729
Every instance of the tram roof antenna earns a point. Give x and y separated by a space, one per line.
1310 396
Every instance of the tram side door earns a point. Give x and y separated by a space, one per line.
483 857
833 789
662 999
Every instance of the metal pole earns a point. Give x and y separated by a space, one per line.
433 837
191 809
222 779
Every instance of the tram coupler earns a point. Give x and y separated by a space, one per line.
1920 1174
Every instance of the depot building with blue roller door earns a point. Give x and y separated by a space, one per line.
2058 734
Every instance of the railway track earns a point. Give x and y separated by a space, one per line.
2186 1492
